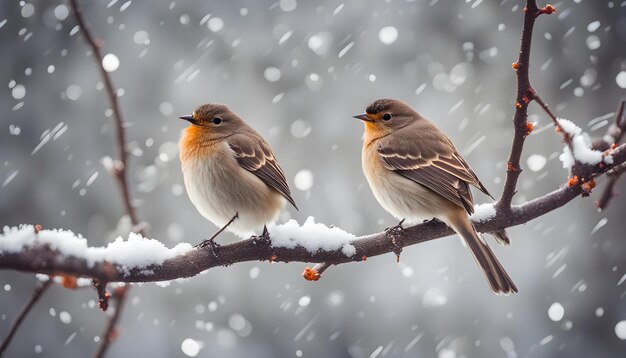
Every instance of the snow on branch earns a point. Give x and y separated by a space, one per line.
24 250
312 236
582 151
136 252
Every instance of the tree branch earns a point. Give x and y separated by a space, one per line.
616 133
119 170
110 330
122 155
38 291
41 259
520 118
525 94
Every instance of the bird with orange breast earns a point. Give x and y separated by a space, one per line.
416 173
230 172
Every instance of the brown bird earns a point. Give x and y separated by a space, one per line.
416 173
230 172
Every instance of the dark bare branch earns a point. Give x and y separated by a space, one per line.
198 260
110 330
616 132
119 170
38 291
523 97
122 154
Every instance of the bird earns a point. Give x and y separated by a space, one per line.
230 172
416 174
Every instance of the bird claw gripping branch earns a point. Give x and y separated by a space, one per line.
397 234
214 247
263 239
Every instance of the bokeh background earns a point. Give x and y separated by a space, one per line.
297 71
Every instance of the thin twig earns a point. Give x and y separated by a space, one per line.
566 137
38 291
315 273
615 131
110 331
616 171
520 118
122 157
36 295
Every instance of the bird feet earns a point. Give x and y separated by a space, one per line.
263 239
212 245
396 234
210 242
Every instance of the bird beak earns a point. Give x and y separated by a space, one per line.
189 118
363 117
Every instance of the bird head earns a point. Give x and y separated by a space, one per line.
214 120
385 116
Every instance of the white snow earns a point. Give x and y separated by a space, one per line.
620 330
110 62
80 281
434 297
135 252
567 158
18 92
556 312
312 236
599 312
569 127
581 144
483 212
287 5
320 42
345 49
215 24
61 12
138 252
620 79
583 152
272 74
304 301
73 92
536 162
303 180
593 26
388 35
191 347
65 317
593 42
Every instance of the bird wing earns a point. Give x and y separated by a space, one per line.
431 161
255 155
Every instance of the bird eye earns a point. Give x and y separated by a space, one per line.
216 120
386 117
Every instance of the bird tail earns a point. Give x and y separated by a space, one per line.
498 278
501 237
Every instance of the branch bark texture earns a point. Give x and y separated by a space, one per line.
119 167
41 259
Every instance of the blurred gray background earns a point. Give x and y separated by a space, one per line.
297 71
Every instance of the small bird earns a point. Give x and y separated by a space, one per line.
230 172
416 173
